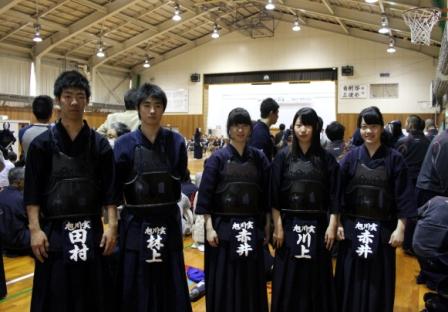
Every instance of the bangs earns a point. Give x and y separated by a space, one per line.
371 116
239 116
307 117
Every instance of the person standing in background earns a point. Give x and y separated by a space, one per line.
261 137
430 129
129 117
197 147
413 148
42 110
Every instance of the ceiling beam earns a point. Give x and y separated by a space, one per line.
432 51
330 9
92 5
49 10
81 25
348 15
177 51
32 19
5 5
144 37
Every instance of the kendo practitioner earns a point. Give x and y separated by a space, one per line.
413 148
233 197
430 244
303 190
197 147
150 162
376 199
432 181
261 137
69 176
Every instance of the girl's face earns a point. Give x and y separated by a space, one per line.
239 133
371 133
303 133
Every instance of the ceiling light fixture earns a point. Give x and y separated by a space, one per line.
371 1
100 51
384 25
37 37
215 33
296 26
176 16
391 47
146 64
270 6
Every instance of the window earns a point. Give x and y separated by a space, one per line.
384 91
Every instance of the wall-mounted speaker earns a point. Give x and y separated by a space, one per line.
347 70
195 77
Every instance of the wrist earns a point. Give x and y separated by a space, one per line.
34 228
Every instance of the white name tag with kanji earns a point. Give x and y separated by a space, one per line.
243 238
78 245
154 243
301 239
366 238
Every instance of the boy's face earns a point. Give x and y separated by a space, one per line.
151 111
73 101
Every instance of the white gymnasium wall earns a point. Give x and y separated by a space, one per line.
15 79
309 48
15 75
110 87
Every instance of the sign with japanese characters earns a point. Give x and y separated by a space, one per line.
243 239
154 243
365 239
354 91
77 241
301 239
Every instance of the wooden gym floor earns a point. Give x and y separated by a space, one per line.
408 297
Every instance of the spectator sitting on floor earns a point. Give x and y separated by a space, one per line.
14 232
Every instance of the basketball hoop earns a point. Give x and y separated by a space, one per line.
421 21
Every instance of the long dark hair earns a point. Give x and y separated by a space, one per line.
308 117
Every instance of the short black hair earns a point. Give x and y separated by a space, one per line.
371 115
281 127
120 128
42 107
415 123
335 131
268 105
394 128
238 116
130 99
150 90
71 79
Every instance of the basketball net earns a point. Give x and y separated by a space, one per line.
421 21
